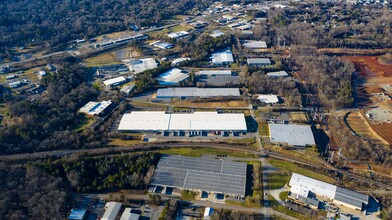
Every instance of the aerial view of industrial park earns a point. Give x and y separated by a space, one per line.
195 110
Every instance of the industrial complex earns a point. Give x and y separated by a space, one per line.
201 174
313 191
197 123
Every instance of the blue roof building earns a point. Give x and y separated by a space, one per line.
77 214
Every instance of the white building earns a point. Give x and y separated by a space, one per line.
128 215
222 58
178 35
303 187
162 45
255 44
278 74
217 33
115 81
15 84
160 121
291 134
180 60
268 99
112 209
208 213
41 74
258 61
95 108
141 65
172 77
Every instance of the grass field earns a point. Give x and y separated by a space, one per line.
180 28
102 59
299 117
283 195
263 129
198 152
278 180
120 142
85 124
158 34
292 168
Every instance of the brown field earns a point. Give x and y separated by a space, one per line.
361 127
299 117
209 104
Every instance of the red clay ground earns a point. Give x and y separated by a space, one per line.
375 75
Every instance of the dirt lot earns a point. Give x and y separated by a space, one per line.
359 125
373 81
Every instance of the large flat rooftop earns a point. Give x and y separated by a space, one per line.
197 121
205 174
197 92
295 135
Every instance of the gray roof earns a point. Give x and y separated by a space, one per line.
296 135
197 92
205 174
259 61
312 201
278 74
350 197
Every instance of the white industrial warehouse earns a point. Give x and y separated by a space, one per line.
195 92
304 188
269 99
115 81
222 58
95 108
172 77
190 123
141 65
292 135
278 74
255 44
214 73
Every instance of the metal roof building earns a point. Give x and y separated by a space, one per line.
255 44
141 65
77 214
258 61
112 209
222 58
189 92
278 74
172 77
197 121
202 174
128 215
115 81
303 187
269 99
178 35
217 33
128 89
293 135
214 73
162 45
95 108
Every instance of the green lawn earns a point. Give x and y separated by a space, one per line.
292 168
263 129
87 121
278 180
198 152
283 195
180 28
158 34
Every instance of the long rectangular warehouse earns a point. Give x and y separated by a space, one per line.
201 174
197 121
190 92
303 187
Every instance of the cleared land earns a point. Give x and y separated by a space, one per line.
113 57
360 126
